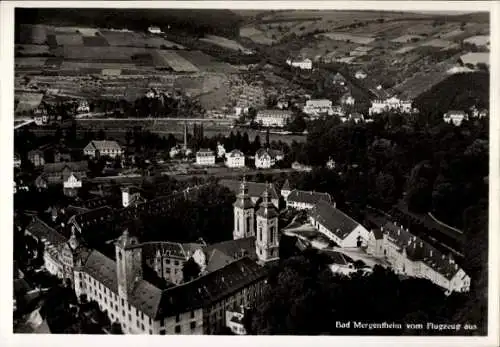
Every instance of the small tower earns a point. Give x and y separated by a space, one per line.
128 263
125 196
285 190
73 240
267 242
243 213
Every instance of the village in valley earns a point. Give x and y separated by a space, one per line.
245 172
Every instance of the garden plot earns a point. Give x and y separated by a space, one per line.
205 62
438 43
123 38
76 65
174 61
256 36
100 53
159 42
69 39
405 49
452 34
97 41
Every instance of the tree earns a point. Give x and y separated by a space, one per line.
190 270
298 124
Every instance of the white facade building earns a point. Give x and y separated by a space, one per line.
103 148
154 30
318 106
337 226
303 64
205 157
391 104
455 117
411 256
235 159
273 118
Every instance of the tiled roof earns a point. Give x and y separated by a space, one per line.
103 269
103 145
308 197
232 249
333 219
43 232
274 113
235 153
205 151
419 250
168 249
59 167
378 234
210 288
255 189
146 297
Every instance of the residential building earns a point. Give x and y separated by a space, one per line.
347 100
306 200
235 159
267 233
303 64
266 158
411 256
255 190
273 118
61 156
337 226
155 30
318 106
360 75
455 117
356 117
205 157
285 190
390 105
338 79
58 173
131 196
72 184
301 167
103 148
83 107
330 164
36 157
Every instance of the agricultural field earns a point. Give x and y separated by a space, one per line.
206 63
97 40
338 36
30 62
224 43
32 34
32 50
28 101
438 43
408 38
175 61
404 50
77 30
256 36
68 39
99 53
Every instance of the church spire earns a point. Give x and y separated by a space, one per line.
243 213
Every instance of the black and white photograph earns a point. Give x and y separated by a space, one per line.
240 171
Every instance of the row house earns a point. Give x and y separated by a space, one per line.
411 256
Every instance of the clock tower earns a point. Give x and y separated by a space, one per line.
267 242
243 214
128 263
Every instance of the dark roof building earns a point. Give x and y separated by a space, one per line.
307 199
255 189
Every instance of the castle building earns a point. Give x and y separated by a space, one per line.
243 214
267 243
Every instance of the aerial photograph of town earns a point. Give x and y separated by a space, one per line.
250 172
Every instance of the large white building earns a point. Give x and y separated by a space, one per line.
455 117
411 256
303 64
103 148
337 226
390 105
318 106
305 200
273 118
205 157
235 159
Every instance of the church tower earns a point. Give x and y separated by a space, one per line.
267 243
243 214
128 263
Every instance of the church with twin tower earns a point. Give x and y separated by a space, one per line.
258 221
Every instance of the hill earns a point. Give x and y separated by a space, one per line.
199 22
457 92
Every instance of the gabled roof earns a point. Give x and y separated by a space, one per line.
205 151
308 197
102 145
231 249
255 189
169 249
286 185
235 153
212 287
42 231
333 219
